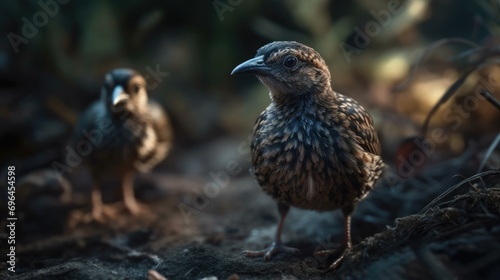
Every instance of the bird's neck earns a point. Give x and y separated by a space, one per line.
312 98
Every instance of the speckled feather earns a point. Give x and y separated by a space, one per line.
312 148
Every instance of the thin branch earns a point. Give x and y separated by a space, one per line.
480 64
455 187
429 50
490 150
490 98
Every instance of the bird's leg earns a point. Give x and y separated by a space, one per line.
128 195
97 205
347 243
347 246
276 246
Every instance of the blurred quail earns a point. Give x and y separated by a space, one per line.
128 134
312 148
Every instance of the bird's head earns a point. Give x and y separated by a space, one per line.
125 90
288 68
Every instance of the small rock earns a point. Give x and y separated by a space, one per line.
155 275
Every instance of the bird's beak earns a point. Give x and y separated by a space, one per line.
255 65
119 96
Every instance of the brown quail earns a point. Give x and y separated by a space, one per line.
312 148
128 133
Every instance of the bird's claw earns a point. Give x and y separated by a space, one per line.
137 209
324 253
341 252
99 214
268 253
336 264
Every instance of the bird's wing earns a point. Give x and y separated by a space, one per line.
257 138
361 123
87 121
157 140
160 122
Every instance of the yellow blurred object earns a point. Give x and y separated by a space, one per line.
392 67
457 143
422 95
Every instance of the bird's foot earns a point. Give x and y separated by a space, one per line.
137 209
99 214
341 252
337 262
271 251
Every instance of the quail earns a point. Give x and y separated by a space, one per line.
121 134
312 147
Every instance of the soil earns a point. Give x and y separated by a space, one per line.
457 236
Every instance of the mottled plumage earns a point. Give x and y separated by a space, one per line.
312 148
136 133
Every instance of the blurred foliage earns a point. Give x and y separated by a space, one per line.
58 72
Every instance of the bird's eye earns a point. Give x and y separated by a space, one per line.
290 61
137 87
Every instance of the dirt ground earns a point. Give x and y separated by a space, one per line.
456 237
